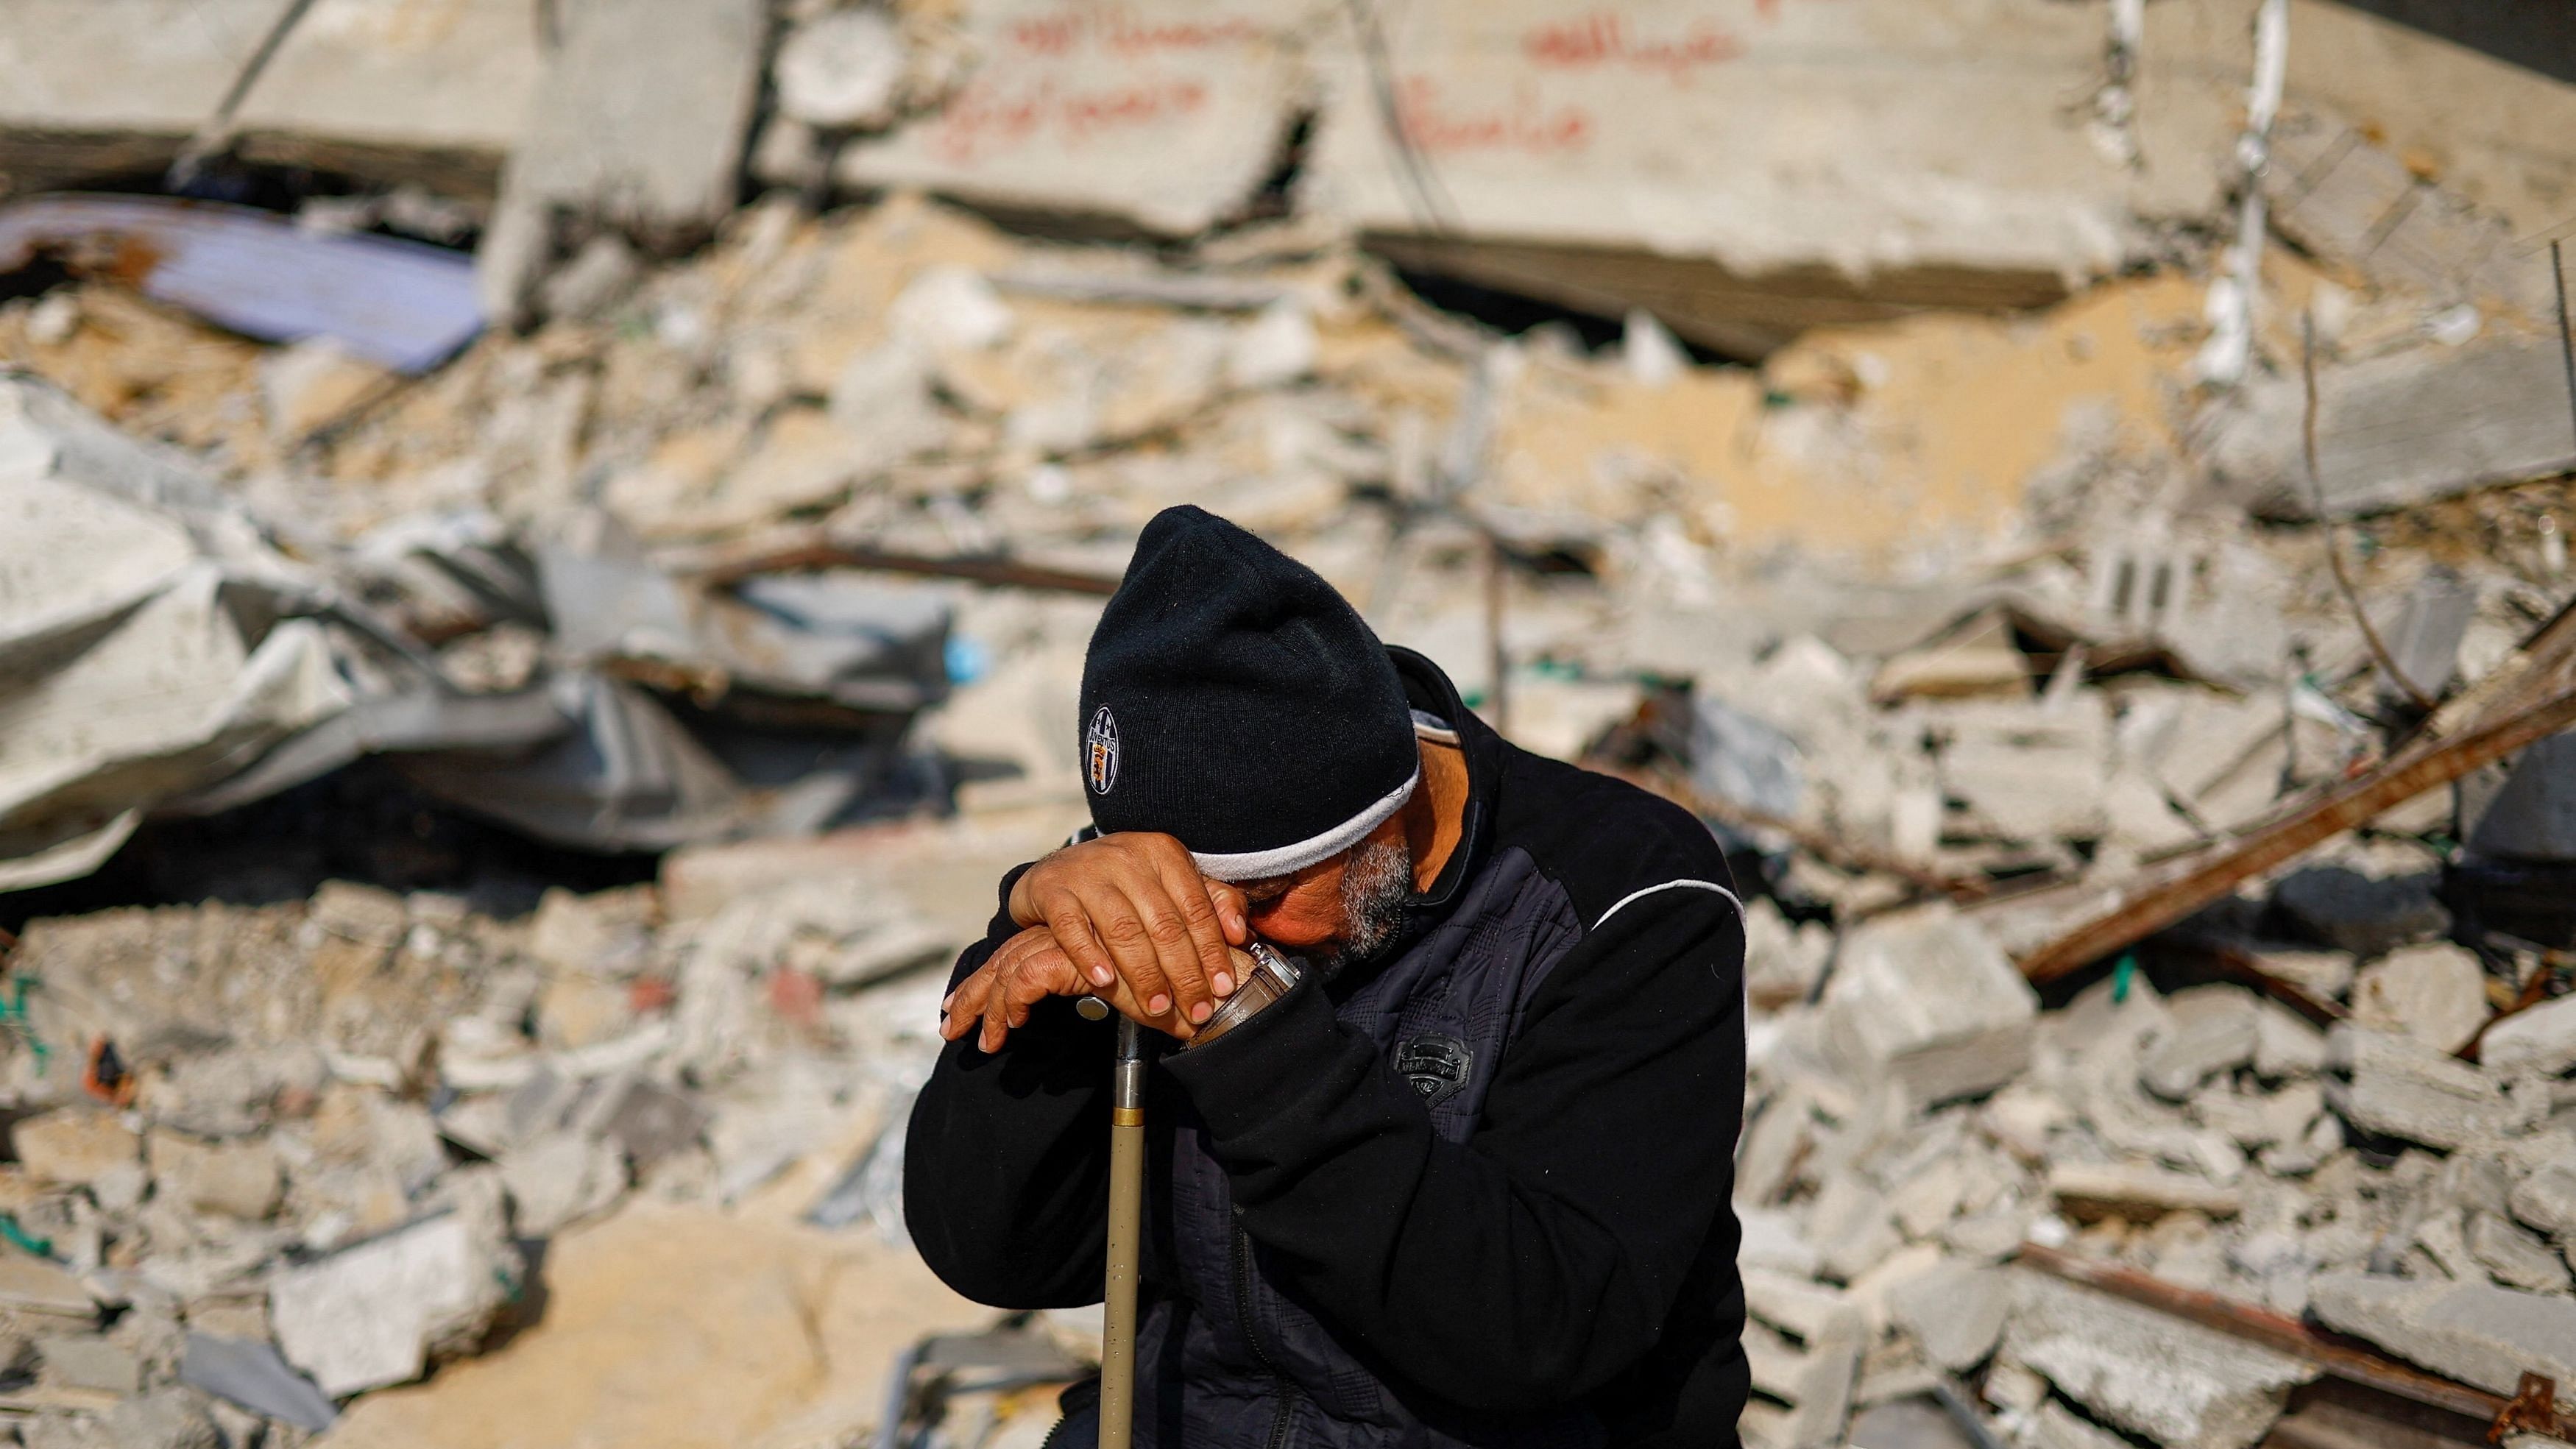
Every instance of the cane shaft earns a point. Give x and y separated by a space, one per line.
1126 1227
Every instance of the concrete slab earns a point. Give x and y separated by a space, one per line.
2475 1332
1164 115
2175 1382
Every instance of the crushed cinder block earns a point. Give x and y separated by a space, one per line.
2547 1200
1955 1313
88 1362
1927 1000
170 1418
2211 1029
2338 906
1803 1343
375 1314
2473 1331
2172 1381
77 1146
2540 1040
2435 993
2399 1087
2513 1255
2286 1045
2138 1191
236 1179
560 1178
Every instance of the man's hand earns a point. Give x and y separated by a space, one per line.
1127 917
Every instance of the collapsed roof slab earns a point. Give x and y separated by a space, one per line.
1748 168
1166 115
426 91
101 87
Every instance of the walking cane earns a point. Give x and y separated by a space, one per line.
1126 1226
1265 976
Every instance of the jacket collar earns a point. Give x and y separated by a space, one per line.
1429 690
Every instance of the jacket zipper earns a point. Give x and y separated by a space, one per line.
1252 1335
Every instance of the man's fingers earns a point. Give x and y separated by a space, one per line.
1070 924
1233 911
1175 951
1207 931
1122 930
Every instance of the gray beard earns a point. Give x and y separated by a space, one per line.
1377 884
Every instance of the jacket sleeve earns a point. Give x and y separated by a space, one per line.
1005 1174
1537 1260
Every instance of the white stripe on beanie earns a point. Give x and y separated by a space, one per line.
1262 864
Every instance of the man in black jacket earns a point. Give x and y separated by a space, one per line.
1467 1182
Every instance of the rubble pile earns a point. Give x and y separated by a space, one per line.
2129 672
266 1160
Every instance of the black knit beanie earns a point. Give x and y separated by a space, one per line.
1233 700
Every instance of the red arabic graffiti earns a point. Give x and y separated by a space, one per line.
986 117
1121 32
1436 127
1605 38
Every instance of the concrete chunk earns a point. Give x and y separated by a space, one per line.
2212 1029
1955 1312
234 1179
1927 1000
2402 1088
76 1146
2475 1332
2542 1040
2137 1191
2435 993
2177 1383
2513 1256
2547 1200
373 1314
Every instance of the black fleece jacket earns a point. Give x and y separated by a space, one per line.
1594 1190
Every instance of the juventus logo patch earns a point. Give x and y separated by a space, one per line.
1436 1067
1100 751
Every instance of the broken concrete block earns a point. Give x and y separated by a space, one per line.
2175 1382
2027 771
1850 1227
2435 993
2212 1029
2513 1255
236 1179
76 1146
2286 1045
840 70
1803 1343
1955 1313
251 1373
168 1418
375 1314
2401 1088
2473 1331
2541 1040
559 1179
1771 1240
88 1362
2136 1191
2340 907
2547 1200
1926 1000
37 1291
